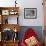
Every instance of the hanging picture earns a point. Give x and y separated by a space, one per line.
30 13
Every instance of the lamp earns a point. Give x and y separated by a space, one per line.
15 3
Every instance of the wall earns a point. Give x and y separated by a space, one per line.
31 4
27 4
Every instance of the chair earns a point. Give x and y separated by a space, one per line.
29 33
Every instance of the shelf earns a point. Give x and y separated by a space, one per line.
11 41
9 22
10 26
5 12
9 8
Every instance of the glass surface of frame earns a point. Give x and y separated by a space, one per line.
30 13
5 12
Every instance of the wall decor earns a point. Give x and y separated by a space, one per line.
5 12
30 13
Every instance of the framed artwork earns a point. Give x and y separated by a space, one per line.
30 13
5 12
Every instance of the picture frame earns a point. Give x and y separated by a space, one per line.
13 12
30 13
5 12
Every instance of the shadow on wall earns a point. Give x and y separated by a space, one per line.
37 29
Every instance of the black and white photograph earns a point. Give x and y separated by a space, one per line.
30 13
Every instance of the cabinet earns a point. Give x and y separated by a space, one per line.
9 26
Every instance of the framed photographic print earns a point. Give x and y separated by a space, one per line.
5 12
30 13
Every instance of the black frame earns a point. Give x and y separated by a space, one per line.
30 9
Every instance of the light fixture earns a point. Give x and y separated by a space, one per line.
15 3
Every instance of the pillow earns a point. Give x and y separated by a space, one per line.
31 41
